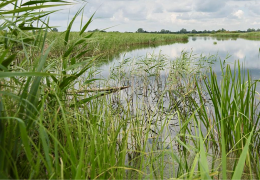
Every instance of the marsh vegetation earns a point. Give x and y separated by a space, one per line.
54 124
248 35
112 42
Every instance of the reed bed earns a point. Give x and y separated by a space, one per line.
170 119
249 35
114 42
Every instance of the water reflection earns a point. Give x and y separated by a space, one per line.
110 58
228 49
157 99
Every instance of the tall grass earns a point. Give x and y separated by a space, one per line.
113 42
187 126
233 115
251 35
248 35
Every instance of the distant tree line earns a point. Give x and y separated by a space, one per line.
55 30
96 30
185 31
182 31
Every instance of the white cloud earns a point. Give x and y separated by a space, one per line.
239 54
166 14
173 17
119 16
239 14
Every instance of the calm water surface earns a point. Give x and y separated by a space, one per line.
246 51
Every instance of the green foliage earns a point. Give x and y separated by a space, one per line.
27 87
110 43
183 31
55 30
234 114
246 35
140 30
51 130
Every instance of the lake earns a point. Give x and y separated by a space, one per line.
246 51
154 100
228 49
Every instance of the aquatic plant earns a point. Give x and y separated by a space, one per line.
55 124
114 42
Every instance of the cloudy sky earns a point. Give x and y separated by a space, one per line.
154 15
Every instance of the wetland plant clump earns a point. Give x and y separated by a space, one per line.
110 43
173 120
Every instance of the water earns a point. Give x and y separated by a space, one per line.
246 51
150 90
145 93
225 49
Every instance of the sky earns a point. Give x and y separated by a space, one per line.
154 15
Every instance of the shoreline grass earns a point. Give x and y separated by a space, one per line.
114 42
187 126
249 35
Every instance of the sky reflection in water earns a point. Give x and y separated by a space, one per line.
246 51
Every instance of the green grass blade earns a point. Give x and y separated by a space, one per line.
9 60
195 161
86 100
24 137
87 24
45 145
42 2
204 167
66 81
241 162
24 9
70 26
5 3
